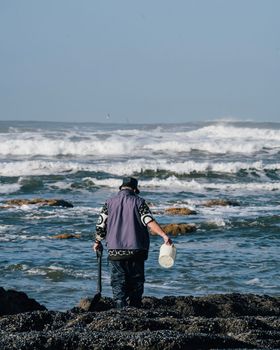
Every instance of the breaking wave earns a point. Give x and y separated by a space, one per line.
215 139
133 166
172 183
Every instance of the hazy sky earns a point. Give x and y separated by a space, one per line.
139 61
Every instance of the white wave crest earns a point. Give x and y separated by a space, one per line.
9 188
253 281
218 147
113 183
59 272
233 132
128 167
49 147
172 183
211 139
217 222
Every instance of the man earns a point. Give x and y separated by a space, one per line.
124 221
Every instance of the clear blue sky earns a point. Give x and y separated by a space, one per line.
139 61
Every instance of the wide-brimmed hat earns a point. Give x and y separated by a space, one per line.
130 182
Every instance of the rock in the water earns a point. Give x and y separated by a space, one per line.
66 236
180 211
178 229
13 302
40 201
220 202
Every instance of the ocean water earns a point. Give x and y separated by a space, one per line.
235 248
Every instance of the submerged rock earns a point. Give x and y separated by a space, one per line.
13 302
178 229
66 236
180 211
40 201
232 321
220 202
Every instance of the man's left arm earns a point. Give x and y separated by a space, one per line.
148 220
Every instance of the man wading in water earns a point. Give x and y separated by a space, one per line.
124 221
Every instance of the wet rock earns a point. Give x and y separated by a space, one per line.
232 321
180 211
225 305
13 302
220 202
40 201
66 236
95 304
178 229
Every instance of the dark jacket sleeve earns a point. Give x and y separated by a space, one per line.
101 224
145 213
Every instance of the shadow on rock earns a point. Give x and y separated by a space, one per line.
13 302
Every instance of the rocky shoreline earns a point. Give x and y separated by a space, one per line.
221 321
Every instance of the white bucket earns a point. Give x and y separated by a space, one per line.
167 255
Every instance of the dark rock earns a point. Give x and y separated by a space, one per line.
40 201
96 304
178 229
13 302
232 321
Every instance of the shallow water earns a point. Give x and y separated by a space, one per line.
235 248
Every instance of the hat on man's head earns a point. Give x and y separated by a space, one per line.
130 182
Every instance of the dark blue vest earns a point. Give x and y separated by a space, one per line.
125 229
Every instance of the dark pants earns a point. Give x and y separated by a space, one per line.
127 281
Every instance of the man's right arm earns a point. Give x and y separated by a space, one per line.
101 227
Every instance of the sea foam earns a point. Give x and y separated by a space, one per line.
9 188
171 183
212 139
131 166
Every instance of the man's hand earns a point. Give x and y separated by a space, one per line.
167 240
97 246
155 227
